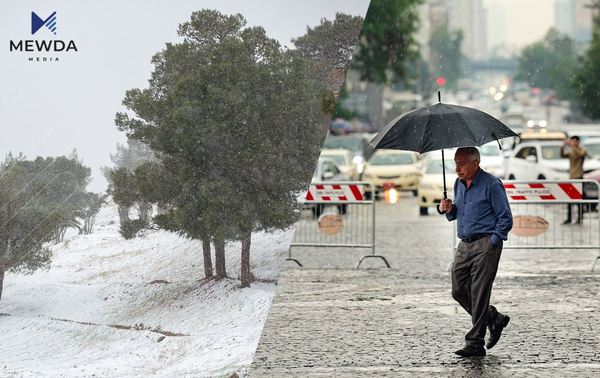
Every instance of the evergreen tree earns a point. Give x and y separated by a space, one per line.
37 199
237 122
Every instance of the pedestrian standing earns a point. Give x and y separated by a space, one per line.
484 219
576 154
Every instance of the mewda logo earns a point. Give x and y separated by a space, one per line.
37 22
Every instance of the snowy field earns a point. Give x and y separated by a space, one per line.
136 308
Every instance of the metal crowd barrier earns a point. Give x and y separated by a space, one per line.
337 214
539 208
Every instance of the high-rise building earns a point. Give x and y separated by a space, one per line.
575 18
563 16
497 30
470 17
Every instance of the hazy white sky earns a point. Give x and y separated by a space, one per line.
527 20
49 108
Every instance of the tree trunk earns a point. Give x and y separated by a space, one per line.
220 258
208 268
245 275
1 280
145 211
123 213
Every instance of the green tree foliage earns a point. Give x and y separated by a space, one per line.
237 123
446 56
387 46
585 81
549 64
37 199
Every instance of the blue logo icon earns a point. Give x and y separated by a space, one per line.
37 23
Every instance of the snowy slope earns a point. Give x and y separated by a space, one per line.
98 312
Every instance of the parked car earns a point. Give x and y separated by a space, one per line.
492 159
399 169
539 160
431 187
356 143
343 159
326 170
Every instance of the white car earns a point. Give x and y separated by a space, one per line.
541 160
492 159
398 169
343 159
431 188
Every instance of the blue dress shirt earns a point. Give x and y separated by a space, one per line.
482 208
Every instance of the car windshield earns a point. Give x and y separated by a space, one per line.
391 159
353 144
593 149
551 152
435 167
489 150
338 159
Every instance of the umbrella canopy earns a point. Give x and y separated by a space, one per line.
440 126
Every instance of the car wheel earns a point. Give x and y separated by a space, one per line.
541 177
415 192
423 211
511 177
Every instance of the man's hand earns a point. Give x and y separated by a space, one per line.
446 206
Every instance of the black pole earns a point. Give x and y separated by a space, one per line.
444 175
439 96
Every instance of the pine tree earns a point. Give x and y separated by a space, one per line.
237 122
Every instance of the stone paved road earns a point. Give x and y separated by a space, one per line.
329 319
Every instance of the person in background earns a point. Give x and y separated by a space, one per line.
576 154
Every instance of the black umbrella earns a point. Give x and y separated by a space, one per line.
440 126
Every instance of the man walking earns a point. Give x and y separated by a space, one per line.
484 219
571 149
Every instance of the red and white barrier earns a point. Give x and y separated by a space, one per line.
544 191
338 193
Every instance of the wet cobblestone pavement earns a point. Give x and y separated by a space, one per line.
329 319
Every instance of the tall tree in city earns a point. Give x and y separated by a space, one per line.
37 198
329 48
386 48
549 64
585 80
237 123
445 54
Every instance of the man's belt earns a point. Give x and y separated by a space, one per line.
475 237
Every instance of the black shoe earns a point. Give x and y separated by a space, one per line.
471 351
568 221
578 221
496 330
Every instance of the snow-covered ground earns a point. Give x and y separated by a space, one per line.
106 303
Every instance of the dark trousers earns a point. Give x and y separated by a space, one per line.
473 273
579 212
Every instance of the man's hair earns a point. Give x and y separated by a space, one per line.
472 152
575 137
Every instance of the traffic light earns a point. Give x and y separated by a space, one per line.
440 81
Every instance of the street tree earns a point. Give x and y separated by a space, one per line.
387 49
237 123
549 64
37 199
446 55
586 87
